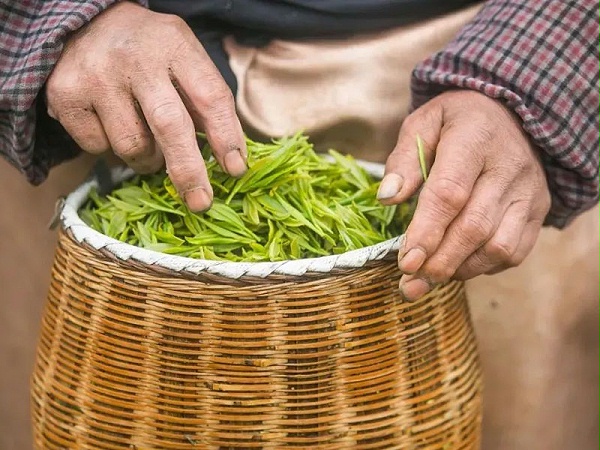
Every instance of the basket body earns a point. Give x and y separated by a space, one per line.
131 357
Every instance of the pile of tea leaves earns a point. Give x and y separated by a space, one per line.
291 203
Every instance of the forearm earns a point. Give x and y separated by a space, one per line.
32 36
541 59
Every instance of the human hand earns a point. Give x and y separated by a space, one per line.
140 83
486 197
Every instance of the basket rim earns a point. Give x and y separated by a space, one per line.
82 233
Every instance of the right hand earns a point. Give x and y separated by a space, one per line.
140 83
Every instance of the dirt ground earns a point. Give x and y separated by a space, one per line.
537 325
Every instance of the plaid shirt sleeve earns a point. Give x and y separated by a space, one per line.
32 35
540 57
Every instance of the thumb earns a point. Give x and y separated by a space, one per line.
403 171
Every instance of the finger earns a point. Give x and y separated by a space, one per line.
458 164
211 104
402 169
86 129
472 232
526 243
128 133
174 133
412 288
500 249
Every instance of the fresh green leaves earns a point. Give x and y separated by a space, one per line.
422 162
292 203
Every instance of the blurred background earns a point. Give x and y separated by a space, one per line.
537 324
26 251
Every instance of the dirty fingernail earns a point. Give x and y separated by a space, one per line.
390 186
414 289
244 152
197 199
235 163
412 260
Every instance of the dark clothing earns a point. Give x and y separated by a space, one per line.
256 22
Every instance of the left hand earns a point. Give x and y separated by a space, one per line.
486 197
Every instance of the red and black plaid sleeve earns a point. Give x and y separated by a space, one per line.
32 34
540 57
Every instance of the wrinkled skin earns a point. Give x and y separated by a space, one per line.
140 83
486 197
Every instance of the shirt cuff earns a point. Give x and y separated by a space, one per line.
537 59
32 36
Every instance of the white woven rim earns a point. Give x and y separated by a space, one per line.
83 233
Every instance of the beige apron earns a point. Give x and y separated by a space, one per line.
349 94
538 324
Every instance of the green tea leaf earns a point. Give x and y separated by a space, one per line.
153 204
292 203
422 163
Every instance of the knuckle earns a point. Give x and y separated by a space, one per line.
73 117
122 49
477 227
54 88
94 147
546 205
57 82
483 134
216 97
150 164
501 251
480 140
521 163
466 273
69 115
60 93
173 22
50 111
177 37
448 193
473 266
91 143
132 146
545 202
420 120
119 43
515 260
411 121
168 118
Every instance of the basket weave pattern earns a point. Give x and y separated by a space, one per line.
134 358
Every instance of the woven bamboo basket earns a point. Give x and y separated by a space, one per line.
140 350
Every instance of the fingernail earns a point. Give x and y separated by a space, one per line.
390 186
412 261
414 289
235 163
244 152
197 199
